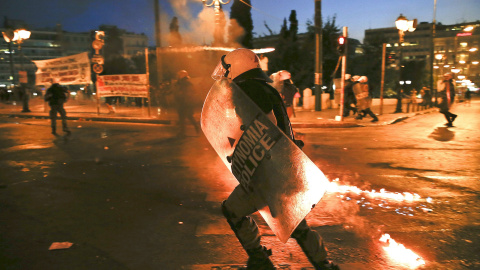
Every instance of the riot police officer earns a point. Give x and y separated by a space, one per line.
243 68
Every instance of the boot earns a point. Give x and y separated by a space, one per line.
258 259
454 116
326 265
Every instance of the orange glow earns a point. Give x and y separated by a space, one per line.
399 253
334 186
209 48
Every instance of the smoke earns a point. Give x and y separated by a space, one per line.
347 213
197 22
202 29
337 208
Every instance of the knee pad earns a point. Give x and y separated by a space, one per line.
234 221
300 235
228 215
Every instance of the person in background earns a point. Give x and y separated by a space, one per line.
446 91
264 63
413 100
183 90
56 96
364 99
24 96
110 103
288 91
349 102
468 97
426 97
400 96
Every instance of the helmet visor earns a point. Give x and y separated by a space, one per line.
219 71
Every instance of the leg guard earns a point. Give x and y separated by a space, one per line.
247 234
311 243
244 228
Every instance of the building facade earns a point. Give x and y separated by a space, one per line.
52 43
446 48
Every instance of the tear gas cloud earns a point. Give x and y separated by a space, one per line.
198 30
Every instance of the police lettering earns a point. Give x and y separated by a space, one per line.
250 150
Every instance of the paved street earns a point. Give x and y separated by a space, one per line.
132 195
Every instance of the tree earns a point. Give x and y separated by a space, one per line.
241 16
370 63
113 42
268 28
174 37
286 54
298 58
330 33
293 31
115 62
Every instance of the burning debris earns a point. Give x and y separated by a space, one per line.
190 49
382 194
405 204
399 253
382 198
60 245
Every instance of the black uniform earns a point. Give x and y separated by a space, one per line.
56 96
349 98
447 101
183 95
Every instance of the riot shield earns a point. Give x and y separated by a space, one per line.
360 91
286 184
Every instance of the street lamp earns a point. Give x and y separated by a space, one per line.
403 25
439 62
8 36
217 5
18 36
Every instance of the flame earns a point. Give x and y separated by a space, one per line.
334 186
209 48
400 253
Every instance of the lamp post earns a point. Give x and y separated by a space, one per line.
8 36
403 25
439 61
21 35
217 39
18 36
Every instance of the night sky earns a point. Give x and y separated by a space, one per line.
137 15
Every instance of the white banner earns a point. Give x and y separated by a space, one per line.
127 85
73 69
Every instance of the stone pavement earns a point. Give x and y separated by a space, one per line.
87 110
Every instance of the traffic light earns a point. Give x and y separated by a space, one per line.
341 45
391 58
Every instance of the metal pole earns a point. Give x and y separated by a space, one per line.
382 83
96 94
12 71
158 41
319 57
344 69
401 35
147 73
432 50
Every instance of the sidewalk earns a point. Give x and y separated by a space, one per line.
86 110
